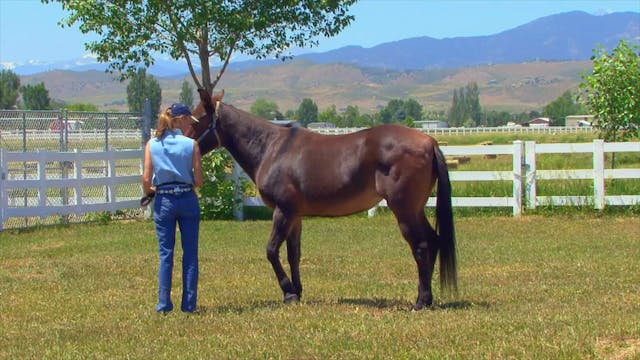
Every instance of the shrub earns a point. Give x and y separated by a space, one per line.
217 194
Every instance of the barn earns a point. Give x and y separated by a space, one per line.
539 122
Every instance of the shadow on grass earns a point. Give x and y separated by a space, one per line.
461 305
376 303
403 305
241 309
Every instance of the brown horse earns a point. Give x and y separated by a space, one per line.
300 173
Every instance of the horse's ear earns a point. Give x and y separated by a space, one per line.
217 97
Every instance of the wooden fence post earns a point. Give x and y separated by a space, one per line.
372 212
236 176
517 178
598 174
3 199
531 191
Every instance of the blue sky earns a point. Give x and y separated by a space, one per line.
29 30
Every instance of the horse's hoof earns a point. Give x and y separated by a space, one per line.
421 305
291 298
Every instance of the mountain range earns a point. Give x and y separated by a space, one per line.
560 37
552 52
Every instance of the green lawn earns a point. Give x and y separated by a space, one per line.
531 287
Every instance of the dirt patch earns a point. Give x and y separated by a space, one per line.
618 349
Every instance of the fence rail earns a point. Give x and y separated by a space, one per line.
76 135
62 130
476 130
66 183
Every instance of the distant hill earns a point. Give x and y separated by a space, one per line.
563 37
521 69
513 87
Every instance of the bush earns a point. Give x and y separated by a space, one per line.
217 194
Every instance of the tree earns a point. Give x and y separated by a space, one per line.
412 109
265 109
465 106
329 115
186 94
495 118
35 97
456 112
9 86
350 117
132 32
473 103
612 91
393 112
307 112
560 108
141 87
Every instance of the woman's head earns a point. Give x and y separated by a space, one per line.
178 116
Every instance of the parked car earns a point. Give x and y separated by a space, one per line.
72 125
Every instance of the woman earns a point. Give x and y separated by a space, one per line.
172 170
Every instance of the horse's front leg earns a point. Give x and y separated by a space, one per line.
293 255
281 228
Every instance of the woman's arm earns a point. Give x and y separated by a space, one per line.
148 171
198 180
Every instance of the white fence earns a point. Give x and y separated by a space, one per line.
524 175
78 172
598 174
477 130
76 175
76 135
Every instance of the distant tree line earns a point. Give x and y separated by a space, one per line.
465 109
610 92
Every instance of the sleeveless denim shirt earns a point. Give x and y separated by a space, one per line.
171 156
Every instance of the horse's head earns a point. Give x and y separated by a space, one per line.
204 131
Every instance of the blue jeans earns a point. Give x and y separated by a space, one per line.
184 210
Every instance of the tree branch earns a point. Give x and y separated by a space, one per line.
224 66
183 48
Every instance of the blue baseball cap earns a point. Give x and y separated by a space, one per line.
178 109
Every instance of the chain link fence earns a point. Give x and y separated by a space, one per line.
69 131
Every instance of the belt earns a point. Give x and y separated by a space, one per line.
178 189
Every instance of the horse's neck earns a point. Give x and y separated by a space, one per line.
246 138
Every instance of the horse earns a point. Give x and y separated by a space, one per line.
301 173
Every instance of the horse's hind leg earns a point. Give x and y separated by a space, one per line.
425 252
422 240
282 226
293 255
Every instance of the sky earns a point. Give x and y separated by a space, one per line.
29 30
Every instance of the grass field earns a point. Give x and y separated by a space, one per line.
562 287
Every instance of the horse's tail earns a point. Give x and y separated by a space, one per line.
444 225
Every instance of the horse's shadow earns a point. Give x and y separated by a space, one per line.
374 303
401 305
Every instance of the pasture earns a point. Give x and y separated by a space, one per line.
562 286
